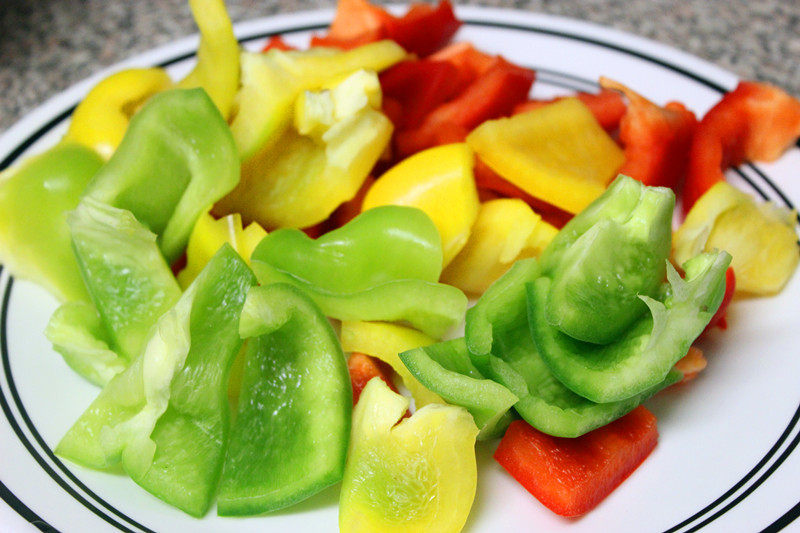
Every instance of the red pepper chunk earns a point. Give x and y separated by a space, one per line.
718 320
363 368
572 476
656 139
755 122
607 106
276 42
418 87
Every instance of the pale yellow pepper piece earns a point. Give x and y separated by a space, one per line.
387 342
217 68
410 475
209 234
101 119
558 153
759 236
439 181
506 230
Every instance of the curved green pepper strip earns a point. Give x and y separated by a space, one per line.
130 283
165 418
344 260
445 369
177 158
595 292
290 437
648 350
432 308
34 237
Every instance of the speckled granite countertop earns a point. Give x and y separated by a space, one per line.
48 45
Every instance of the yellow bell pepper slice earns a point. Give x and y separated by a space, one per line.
301 179
759 236
386 342
441 183
558 153
418 475
217 68
208 236
101 119
506 230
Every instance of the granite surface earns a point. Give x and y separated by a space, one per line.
48 45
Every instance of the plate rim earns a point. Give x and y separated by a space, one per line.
42 119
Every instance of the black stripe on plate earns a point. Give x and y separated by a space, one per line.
23 510
784 520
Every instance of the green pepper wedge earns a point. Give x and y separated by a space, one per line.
177 158
290 436
34 237
647 351
165 418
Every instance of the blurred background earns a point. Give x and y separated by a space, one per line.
48 45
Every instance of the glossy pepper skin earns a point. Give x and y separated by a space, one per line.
101 119
363 285
35 243
176 159
165 418
289 440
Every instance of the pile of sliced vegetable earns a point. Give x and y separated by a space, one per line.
240 254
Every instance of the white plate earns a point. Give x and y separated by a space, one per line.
727 458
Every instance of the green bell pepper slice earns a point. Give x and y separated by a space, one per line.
595 291
128 280
177 158
289 440
165 418
446 369
644 355
344 260
34 237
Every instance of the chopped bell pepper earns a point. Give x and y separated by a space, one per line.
418 474
558 153
208 236
438 181
176 159
691 364
756 121
644 355
217 68
719 320
289 440
572 476
656 139
607 106
760 237
277 42
506 230
302 178
102 117
165 418
445 368
35 242
387 342
363 368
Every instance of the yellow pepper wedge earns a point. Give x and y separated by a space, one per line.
438 181
208 236
759 236
407 475
101 119
386 342
217 68
318 164
506 230
558 153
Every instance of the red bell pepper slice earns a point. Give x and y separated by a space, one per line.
607 106
470 63
656 139
755 122
418 87
363 368
572 476
276 42
422 30
493 95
